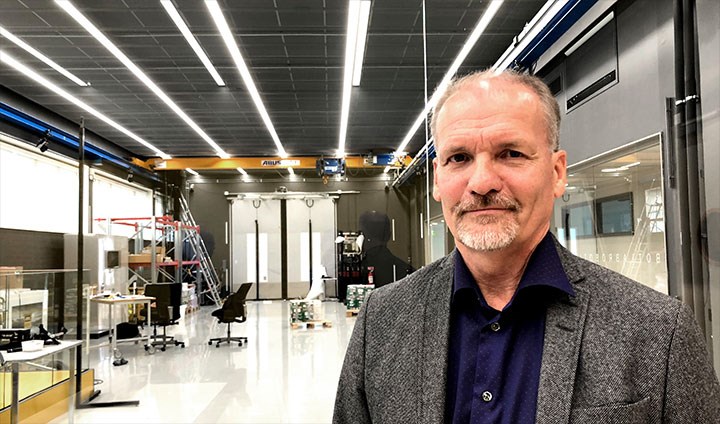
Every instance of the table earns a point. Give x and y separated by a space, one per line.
17 358
123 300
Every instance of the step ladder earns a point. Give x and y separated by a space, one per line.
211 281
650 220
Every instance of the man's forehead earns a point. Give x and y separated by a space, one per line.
495 88
487 96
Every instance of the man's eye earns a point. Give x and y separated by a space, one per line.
457 158
514 154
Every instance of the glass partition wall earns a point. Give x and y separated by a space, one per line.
30 299
613 212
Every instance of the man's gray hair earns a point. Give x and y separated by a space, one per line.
535 84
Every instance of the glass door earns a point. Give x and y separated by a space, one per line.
438 239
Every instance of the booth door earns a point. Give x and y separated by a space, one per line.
256 246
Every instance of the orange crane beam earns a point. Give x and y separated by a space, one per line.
254 163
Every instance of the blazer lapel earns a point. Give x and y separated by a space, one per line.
434 344
564 326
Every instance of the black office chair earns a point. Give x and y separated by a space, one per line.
233 310
168 298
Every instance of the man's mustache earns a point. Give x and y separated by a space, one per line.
485 201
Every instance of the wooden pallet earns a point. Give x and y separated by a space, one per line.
311 324
352 312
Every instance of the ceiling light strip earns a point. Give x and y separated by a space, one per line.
192 171
182 26
350 45
89 27
20 43
541 20
482 24
362 27
242 171
4 57
229 39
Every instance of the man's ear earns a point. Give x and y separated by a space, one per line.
559 172
436 191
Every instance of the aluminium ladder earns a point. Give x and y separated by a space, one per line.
212 280
649 222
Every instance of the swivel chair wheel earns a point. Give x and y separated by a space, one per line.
217 345
162 349
209 344
240 344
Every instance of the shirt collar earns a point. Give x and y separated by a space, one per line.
543 269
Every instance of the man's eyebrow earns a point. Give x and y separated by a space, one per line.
509 144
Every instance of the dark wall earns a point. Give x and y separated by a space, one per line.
31 249
210 207
635 107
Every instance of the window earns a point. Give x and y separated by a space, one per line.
612 212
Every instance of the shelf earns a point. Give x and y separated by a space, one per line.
166 263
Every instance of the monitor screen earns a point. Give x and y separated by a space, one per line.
112 259
615 215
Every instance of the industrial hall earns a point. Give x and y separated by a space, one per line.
359 211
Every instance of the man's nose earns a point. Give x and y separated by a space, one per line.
484 178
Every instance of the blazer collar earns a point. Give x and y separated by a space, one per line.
564 328
434 344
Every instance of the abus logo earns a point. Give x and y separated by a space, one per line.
283 162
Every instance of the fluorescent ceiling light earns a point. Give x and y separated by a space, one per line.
291 171
620 168
229 39
20 43
609 17
4 57
351 42
192 171
387 169
539 22
242 171
89 27
182 26
362 27
469 44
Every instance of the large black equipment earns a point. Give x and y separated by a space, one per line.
11 338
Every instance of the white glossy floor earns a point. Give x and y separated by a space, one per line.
281 375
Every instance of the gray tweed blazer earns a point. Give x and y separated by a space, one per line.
617 352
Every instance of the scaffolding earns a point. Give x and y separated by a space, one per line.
168 248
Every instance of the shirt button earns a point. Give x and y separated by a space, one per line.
495 326
486 396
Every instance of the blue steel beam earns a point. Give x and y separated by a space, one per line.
23 120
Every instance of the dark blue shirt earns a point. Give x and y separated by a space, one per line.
495 356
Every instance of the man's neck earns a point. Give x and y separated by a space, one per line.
497 273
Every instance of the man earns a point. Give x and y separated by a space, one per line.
511 327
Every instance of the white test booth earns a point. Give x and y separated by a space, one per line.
106 258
